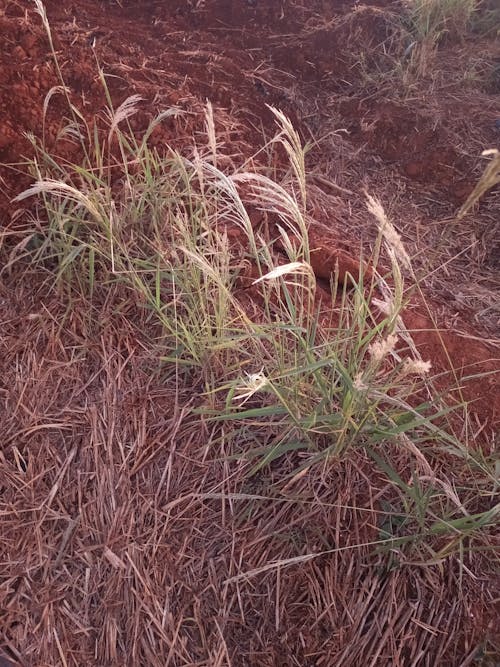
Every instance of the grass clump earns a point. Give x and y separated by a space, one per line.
279 378
429 23
433 20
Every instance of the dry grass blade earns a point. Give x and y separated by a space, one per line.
488 180
63 190
125 111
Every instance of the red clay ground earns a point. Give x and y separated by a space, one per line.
413 141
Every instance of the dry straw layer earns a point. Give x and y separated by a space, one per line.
129 535
135 528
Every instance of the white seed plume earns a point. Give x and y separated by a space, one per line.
416 367
285 269
253 383
388 231
359 384
379 349
385 306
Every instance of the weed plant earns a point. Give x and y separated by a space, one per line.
432 20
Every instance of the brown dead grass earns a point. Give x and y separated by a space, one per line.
130 537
